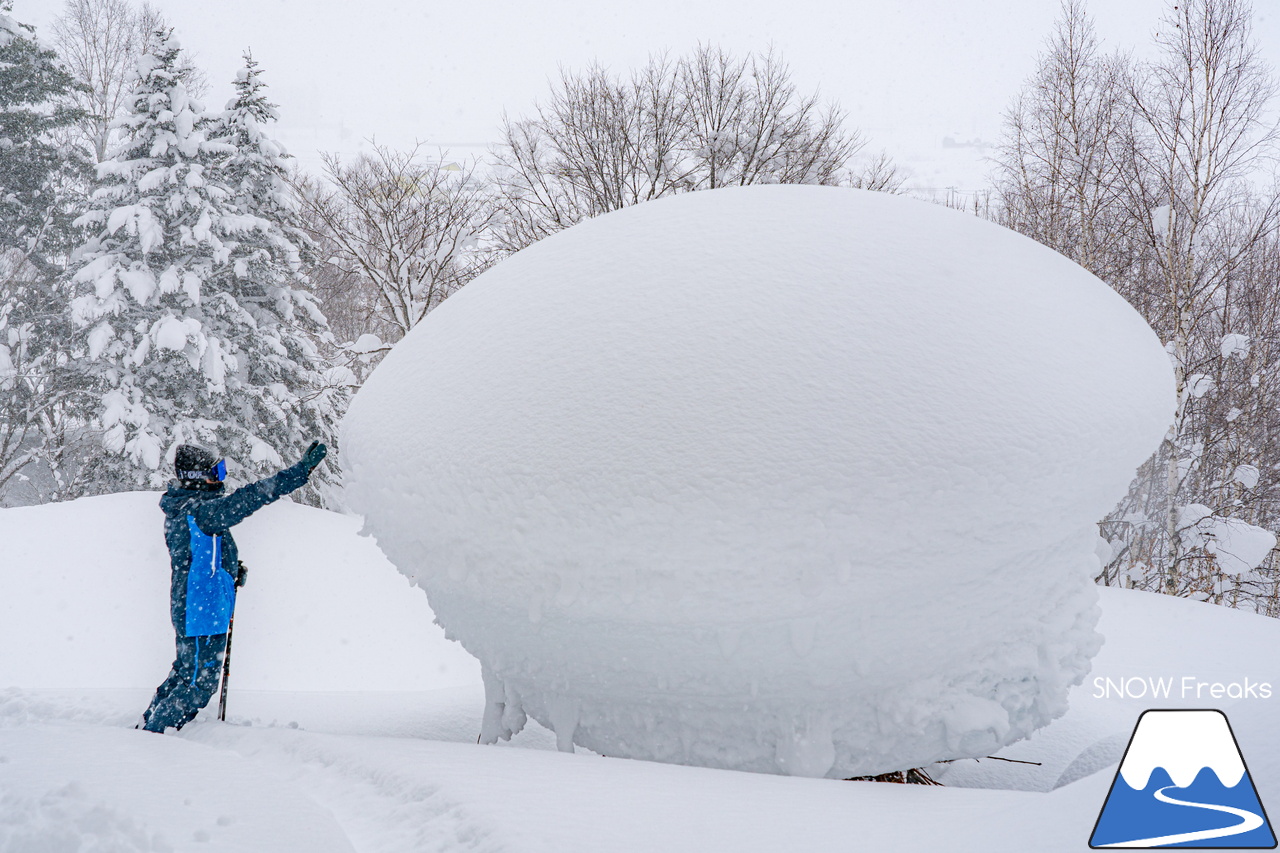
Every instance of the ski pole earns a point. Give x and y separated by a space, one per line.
226 670
241 572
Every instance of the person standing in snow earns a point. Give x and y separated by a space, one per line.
207 571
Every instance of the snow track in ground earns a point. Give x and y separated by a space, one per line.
384 798
397 795
79 787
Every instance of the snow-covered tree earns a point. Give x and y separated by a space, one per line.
100 42
160 334
284 392
35 104
39 181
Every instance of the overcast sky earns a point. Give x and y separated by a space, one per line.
925 79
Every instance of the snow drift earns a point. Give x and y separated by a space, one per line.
785 479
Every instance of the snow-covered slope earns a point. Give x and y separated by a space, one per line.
73 773
85 603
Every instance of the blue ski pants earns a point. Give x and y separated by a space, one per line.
191 683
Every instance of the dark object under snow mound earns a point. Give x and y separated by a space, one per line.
915 776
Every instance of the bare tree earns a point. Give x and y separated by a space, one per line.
602 142
349 301
1203 111
879 174
100 41
598 144
400 233
1060 174
1149 177
1211 475
748 124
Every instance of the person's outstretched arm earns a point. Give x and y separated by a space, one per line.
214 516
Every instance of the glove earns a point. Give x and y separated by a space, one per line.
314 456
295 476
242 574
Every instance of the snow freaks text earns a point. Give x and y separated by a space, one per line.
1185 687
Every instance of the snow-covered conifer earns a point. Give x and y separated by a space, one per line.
284 392
34 168
147 337
41 179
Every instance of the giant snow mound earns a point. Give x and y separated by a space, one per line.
787 479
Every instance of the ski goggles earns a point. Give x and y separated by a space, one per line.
217 472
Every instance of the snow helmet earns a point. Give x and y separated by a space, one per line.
193 462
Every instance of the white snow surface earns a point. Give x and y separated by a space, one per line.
322 609
333 764
783 479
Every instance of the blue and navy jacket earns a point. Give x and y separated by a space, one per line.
202 553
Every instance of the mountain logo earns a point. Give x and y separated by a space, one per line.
1183 783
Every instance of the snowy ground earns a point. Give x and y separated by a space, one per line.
352 721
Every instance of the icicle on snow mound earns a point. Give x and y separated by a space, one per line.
787 479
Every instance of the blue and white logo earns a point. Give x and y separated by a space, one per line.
1183 783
